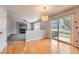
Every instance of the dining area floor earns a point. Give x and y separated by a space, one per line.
43 46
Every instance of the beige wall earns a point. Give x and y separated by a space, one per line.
48 31
75 31
74 12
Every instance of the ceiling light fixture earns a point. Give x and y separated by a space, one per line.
44 17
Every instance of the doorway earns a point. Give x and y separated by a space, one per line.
61 29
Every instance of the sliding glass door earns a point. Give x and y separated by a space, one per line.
54 29
61 29
65 29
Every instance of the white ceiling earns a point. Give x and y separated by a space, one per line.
33 12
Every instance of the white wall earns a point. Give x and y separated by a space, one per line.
3 37
11 25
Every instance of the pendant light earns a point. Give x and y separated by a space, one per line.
44 17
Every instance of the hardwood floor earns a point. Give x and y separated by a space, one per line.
32 47
44 46
63 48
